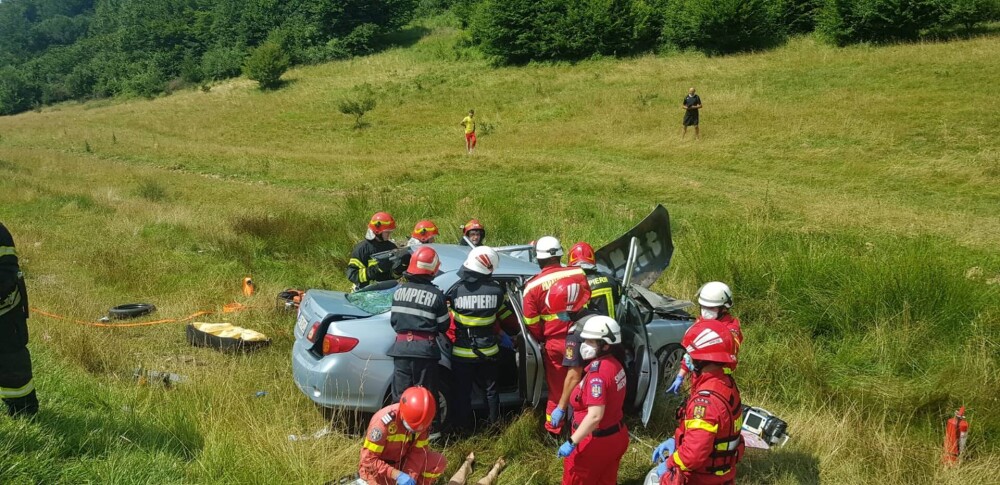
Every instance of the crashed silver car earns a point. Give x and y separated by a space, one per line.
339 356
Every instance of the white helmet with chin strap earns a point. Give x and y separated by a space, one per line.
602 327
548 247
482 260
715 294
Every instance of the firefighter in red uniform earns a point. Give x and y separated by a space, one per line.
600 437
396 449
543 324
605 290
716 299
707 444
473 233
363 269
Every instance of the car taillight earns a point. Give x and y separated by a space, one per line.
311 336
335 344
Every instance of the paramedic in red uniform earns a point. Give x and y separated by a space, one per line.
600 438
707 444
544 325
396 450
568 299
716 299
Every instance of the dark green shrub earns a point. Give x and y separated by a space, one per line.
849 21
723 26
361 40
968 13
266 65
17 93
358 106
222 62
800 15
517 31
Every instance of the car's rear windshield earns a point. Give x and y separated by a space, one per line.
374 300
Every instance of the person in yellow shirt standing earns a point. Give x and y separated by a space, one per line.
469 122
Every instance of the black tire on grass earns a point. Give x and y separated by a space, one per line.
131 310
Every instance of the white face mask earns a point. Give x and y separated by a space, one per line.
709 313
587 351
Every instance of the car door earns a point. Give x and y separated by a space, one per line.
532 372
655 249
632 317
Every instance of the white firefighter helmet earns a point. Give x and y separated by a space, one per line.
548 247
715 294
602 327
482 260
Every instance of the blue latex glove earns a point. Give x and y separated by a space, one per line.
662 452
675 388
505 341
404 479
661 469
566 449
557 416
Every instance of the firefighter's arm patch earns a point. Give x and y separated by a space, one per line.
569 352
596 386
376 435
698 412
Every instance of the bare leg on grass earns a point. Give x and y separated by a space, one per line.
463 471
492 475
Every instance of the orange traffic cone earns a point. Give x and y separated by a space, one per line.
248 287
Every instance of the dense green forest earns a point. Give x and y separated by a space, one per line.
54 50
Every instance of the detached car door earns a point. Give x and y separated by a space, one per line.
532 372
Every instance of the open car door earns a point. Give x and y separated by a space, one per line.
529 366
643 369
655 248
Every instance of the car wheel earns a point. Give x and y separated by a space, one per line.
444 393
670 357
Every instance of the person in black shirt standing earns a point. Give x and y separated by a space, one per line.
691 105
419 314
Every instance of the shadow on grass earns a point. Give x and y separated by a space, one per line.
771 466
405 37
99 432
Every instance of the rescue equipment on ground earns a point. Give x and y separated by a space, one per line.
225 337
130 310
248 287
290 299
955 433
764 428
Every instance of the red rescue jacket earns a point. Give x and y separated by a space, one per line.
538 318
709 443
387 443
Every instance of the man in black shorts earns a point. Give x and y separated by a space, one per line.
692 103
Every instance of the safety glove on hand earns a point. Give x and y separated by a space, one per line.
556 417
404 479
663 451
505 341
566 449
675 388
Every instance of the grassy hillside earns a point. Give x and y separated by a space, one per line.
848 195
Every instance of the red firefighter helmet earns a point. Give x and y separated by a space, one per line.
582 255
424 261
381 222
417 407
711 341
474 225
425 231
567 295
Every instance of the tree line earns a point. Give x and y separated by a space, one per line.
54 50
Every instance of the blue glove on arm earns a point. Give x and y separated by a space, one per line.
566 449
505 341
404 479
675 388
662 452
557 416
661 469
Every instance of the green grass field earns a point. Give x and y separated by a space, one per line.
850 197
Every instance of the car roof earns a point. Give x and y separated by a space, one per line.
453 255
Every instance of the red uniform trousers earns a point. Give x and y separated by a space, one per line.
595 461
555 378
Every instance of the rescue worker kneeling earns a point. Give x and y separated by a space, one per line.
396 448
707 444
600 438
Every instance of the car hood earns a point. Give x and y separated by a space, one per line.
656 247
